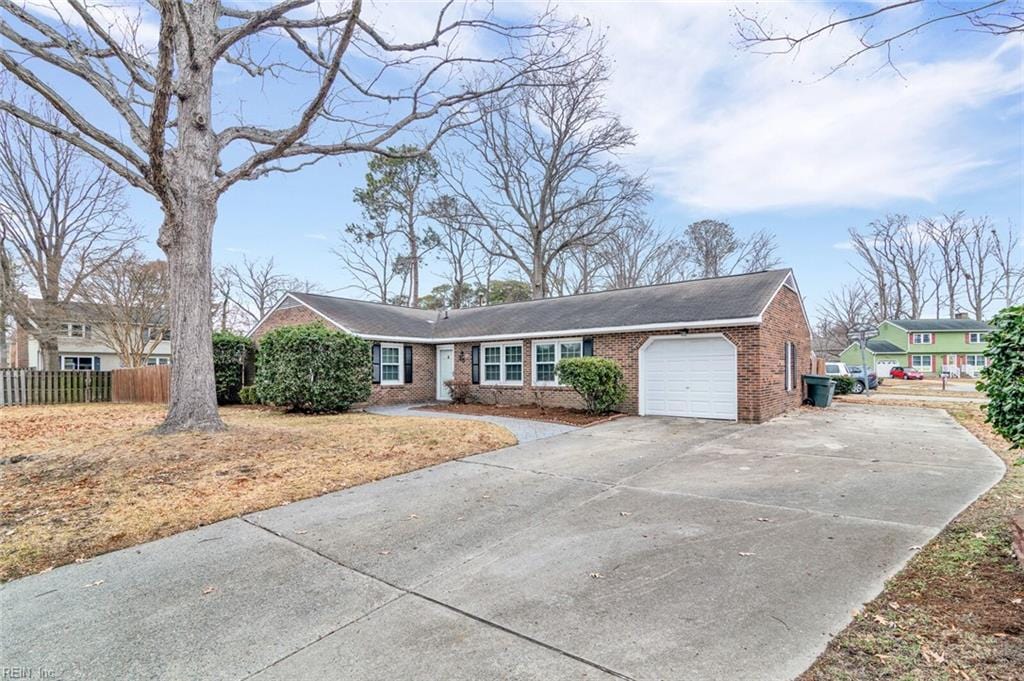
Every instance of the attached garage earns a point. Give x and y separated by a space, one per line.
691 376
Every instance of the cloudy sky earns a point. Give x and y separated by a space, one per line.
761 142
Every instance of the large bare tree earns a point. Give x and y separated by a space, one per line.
976 254
878 27
538 169
714 249
844 310
1009 259
127 300
639 254
163 134
254 287
945 235
62 219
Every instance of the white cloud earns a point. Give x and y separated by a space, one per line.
316 236
726 131
843 246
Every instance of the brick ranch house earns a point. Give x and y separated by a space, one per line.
724 348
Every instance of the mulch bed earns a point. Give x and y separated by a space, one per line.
564 415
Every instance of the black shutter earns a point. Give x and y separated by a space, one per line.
793 366
475 354
588 347
375 353
95 363
408 363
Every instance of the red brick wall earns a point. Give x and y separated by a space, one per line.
422 389
783 321
288 316
623 348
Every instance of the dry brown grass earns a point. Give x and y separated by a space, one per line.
87 479
957 610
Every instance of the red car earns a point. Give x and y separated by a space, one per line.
906 374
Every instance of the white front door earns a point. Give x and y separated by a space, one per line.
689 376
445 370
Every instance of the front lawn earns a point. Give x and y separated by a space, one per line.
957 610
81 480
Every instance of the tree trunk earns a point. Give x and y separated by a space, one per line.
49 353
193 404
538 274
187 233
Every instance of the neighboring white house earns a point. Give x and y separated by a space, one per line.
81 347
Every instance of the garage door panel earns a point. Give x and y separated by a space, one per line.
690 377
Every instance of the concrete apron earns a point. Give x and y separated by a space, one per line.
643 548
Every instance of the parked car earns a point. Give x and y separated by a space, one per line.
906 374
860 383
858 372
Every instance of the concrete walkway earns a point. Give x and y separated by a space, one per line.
525 430
638 549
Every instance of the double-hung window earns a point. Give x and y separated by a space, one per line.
157 361
503 363
975 337
548 353
921 362
76 363
390 364
921 339
975 360
78 331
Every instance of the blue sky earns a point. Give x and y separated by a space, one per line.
761 142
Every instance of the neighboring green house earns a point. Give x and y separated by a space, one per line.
932 346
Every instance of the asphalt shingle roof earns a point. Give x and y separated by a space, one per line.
883 346
941 325
734 297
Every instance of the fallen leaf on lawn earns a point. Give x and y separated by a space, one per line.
96 583
979 535
747 553
1017 601
894 605
208 590
931 656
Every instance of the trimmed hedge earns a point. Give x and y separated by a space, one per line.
844 384
598 381
1003 379
312 368
231 352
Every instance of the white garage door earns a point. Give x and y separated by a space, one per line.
689 377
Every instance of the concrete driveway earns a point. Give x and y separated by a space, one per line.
642 548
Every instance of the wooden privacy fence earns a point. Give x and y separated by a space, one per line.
30 386
143 384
